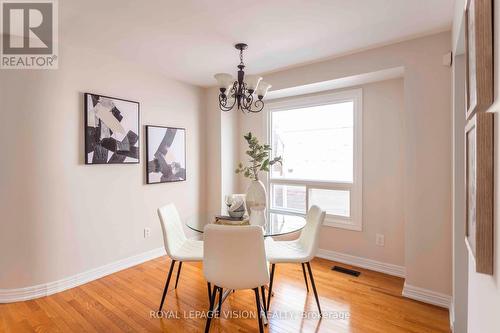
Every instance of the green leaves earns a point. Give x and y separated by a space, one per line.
265 166
277 159
259 158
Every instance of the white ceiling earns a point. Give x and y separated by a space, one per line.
190 40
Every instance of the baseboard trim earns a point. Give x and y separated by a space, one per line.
373 265
427 296
41 290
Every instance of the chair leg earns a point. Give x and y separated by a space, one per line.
166 284
178 274
305 277
220 302
257 300
209 285
314 287
210 309
270 292
263 292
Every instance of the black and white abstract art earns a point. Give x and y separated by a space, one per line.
166 154
111 130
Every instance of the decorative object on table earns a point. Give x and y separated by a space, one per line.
228 217
479 156
111 130
229 220
166 154
259 161
246 93
479 55
256 195
242 197
235 206
258 216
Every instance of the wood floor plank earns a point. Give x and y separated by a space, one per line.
60 315
127 301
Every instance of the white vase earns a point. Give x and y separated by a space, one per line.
256 202
258 216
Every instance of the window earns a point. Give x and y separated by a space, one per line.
319 138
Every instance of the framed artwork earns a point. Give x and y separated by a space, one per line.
111 130
166 154
479 190
479 55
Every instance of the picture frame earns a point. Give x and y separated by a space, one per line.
112 130
165 154
479 190
479 56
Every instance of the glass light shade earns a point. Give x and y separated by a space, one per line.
224 80
252 81
263 88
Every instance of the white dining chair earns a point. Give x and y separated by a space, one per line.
235 258
301 250
177 245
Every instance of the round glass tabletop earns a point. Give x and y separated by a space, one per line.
276 224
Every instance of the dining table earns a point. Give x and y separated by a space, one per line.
275 224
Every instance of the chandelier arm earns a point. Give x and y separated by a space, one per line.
239 95
234 88
247 99
223 99
223 103
232 92
259 104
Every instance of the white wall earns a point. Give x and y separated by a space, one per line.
383 160
427 147
213 149
229 135
484 290
60 217
383 170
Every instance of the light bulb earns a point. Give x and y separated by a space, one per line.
262 89
225 81
252 81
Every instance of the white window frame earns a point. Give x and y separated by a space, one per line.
355 221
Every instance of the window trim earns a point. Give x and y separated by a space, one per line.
355 222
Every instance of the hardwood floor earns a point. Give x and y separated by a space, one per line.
124 302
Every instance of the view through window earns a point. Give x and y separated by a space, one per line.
318 146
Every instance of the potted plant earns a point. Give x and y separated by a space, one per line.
259 162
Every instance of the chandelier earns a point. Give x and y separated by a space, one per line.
246 93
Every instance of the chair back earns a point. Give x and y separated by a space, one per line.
235 257
171 225
309 237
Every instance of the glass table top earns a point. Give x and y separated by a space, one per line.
276 224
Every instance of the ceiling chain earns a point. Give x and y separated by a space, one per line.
241 57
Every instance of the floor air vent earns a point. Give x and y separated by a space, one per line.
346 271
